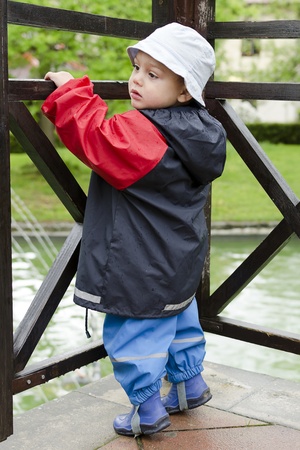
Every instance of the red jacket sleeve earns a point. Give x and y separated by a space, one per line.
121 150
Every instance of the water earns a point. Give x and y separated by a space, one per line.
66 330
272 299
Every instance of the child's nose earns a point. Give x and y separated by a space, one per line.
137 78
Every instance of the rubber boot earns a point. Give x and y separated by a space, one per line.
147 418
188 394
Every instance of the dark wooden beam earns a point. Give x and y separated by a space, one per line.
78 22
275 29
58 365
253 91
258 162
6 322
47 160
40 89
47 299
115 90
254 334
249 269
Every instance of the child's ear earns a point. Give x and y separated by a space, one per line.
185 96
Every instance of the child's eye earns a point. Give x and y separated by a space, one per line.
136 67
152 75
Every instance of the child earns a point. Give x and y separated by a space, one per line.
144 237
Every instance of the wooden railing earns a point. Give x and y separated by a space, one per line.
15 351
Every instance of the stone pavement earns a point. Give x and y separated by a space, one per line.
248 411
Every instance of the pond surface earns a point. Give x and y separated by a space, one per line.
272 299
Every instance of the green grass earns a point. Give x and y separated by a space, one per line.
32 188
237 196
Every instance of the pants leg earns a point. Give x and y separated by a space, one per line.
187 350
138 350
141 350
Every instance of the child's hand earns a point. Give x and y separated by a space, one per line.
59 78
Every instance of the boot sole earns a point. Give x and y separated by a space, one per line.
160 425
192 403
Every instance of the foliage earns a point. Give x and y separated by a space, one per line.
287 8
287 133
101 56
285 65
233 10
34 51
280 59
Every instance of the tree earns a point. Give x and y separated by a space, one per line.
282 57
32 52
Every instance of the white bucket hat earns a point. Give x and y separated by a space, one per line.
184 51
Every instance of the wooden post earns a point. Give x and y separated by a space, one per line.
197 14
163 11
6 325
204 12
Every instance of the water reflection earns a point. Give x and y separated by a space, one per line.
65 332
272 299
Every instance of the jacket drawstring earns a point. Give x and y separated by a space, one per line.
86 324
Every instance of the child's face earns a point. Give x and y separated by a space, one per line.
152 85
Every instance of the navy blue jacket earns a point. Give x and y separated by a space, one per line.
144 237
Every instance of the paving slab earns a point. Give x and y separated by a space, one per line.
246 438
247 411
254 395
74 422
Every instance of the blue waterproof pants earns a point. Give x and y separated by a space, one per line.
142 351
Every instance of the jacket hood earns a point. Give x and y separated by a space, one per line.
198 139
